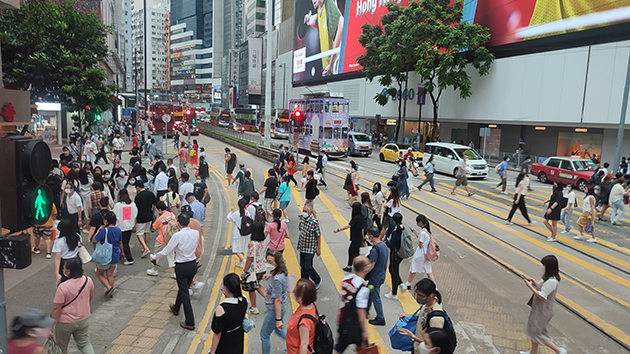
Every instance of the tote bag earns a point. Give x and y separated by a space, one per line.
400 342
103 252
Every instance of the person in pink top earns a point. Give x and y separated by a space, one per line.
72 308
194 157
26 329
277 231
182 154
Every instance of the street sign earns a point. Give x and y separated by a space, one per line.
484 132
166 118
421 98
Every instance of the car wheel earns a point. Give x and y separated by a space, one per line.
581 184
455 172
381 157
542 177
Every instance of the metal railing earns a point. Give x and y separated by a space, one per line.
250 137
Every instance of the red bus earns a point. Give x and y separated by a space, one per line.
157 110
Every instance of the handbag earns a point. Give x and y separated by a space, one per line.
589 228
51 347
367 349
247 324
397 340
103 252
250 283
84 255
530 301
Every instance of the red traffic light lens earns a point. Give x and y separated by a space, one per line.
188 111
298 114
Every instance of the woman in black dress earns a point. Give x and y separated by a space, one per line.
554 206
227 323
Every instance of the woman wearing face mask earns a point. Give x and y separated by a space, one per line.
66 247
301 334
122 178
430 299
401 182
311 190
377 204
171 199
72 308
172 178
26 329
394 205
435 341
543 303
110 184
552 215
227 323
357 232
394 259
276 300
126 212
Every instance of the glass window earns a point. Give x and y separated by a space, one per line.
553 163
337 133
470 153
361 137
344 133
584 165
321 131
327 107
445 152
328 133
566 165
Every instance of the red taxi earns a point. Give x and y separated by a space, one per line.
566 170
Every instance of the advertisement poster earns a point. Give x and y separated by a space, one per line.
579 144
327 31
254 86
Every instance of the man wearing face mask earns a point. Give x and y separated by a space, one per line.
354 301
26 329
65 156
309 244
72 206
161 182
378 260
185 188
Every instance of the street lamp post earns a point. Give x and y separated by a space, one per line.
284 81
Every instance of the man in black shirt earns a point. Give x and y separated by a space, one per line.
271 190
74 136
145 202
200 190
135 159
65 156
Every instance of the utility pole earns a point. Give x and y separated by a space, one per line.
267 140
144 53
622 119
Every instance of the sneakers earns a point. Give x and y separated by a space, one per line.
48 256
579 237
615 222
377 322
592 240
253 311
110 293
173 276
347 269
391 296
128 263
508 222
240 265
551 239
144 253
563 231
562 351
36 251
286 221
402 287
153 272
503 192
197 285
317 285
325 188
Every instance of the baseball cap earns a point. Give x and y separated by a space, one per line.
75 165
185 209
241 165
34 318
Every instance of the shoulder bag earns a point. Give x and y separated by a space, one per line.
250 283
84 255
103 252
79 293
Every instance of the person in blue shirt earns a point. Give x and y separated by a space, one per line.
322 180
428 173
111 234
378 259
503 174
284 197
198 209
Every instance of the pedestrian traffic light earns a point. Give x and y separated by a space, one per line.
26 200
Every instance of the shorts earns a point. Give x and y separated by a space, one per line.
169 257
309 200
461 181
284 205
143 227
267 204
352 189
303 179
583 219
182 164
42 231
229 169
104 266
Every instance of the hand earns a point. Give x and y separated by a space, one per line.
243 276
327 70
365 335
405 332
266 277
151 258
122 255
401 316
306 17
516 201
231 209
58 278
335 231
590 217
319 251
279 325
548 211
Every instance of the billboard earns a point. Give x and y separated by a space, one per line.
327 31
254 83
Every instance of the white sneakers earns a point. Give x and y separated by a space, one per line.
153 272
391 296
579 237
592 240
563 231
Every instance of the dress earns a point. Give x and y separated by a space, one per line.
401 183
542 311
230 326
194 159
418 263
239 243
258 253
556 197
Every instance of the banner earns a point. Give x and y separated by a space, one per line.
254 85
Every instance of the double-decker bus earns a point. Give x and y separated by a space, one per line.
247 117
325 125
279 124
157 110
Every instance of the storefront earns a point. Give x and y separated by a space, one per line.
47 122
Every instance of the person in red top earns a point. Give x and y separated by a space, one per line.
134 141
26 329
301 334
292 168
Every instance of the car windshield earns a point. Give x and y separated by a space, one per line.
361 137
406 147
470 153
237 125
584 165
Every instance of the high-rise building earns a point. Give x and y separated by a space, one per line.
125 38
254 23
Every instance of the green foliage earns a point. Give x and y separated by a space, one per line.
430 38
240 141
55 51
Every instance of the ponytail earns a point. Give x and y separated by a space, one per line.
277 214
423 219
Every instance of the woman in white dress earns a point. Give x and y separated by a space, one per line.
239 242
419 264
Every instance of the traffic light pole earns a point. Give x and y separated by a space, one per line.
3 309
267 140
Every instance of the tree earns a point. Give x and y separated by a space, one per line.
430 37
55 51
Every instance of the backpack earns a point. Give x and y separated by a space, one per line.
406 245
348 326
260 213
324 342
246 225
564 202
448 327
433 250
497 169
367 217
171 227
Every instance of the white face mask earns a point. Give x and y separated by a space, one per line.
424 350
121 174
198 181
39 332
68 190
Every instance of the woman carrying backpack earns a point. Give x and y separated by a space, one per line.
301 332
419 262
239 242
357 232
394 258
161 224
256 259
306 166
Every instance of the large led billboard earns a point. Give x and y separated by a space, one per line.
326 31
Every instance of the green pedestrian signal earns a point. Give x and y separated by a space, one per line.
39 201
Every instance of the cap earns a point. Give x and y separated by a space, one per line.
34 318
241 165
185 209
75 165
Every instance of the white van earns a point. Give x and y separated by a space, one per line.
359 144
446 158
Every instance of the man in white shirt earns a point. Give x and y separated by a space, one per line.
161 182
74 206
566 213
185 188
184 243
353 287
119 145
253 203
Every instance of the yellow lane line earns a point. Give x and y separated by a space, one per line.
333 267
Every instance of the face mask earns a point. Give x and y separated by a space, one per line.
168 175
39 332
68 190
132 181
305 215
424 349
107 176
374 190
421 301
368 268
198 181
122 174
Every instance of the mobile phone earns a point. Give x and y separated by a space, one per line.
524 277
399 329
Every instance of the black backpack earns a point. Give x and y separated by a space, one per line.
324 341
348 179
348 327
448 327
246 226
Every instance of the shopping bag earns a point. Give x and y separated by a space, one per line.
51 347
84 255
103 252
397 340
367 349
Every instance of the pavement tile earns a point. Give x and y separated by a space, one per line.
125 339
156 323
164 285
145 313
517 335
157 299
133 330
159 292
120 349
152 333
150 306
504 342
161 315
139 321
145 342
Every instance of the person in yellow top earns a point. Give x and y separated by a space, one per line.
329 22
44 231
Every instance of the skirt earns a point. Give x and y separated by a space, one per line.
583 220
419 264
239 243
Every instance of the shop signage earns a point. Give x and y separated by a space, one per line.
391 122
48 106
337 122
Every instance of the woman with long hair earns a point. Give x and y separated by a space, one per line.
172 178
27 329
277 231
85 188
301 334
71 181
306 167
367 210
292 166
617 194
284 196
172 199
239 242
543 303
109 233
394 205
522 185
319 169
394 259
402 176
66 247
357 233
552 215
419 262
256 259
377 204
194 157
72 308
126 213
276 300
227 323
588 215
311 190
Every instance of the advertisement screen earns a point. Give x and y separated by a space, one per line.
327 31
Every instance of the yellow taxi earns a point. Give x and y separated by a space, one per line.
391 152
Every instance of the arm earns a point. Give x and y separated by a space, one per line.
277 305
122 250
319 245
336 44
56 311
311 20
362 313
343 228
168 249
531 285
57 264
305 335
216 337
518 194
248 261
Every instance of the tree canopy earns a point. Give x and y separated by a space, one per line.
430 38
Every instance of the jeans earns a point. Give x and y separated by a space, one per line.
375 297
126 236
81 333
394 270
565 217
306 268
521 206
268 326
185 273
618 209
428 179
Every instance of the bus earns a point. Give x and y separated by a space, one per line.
326 125
247 117
215 113
157 110
279 124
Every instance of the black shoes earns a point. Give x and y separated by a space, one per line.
377 322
